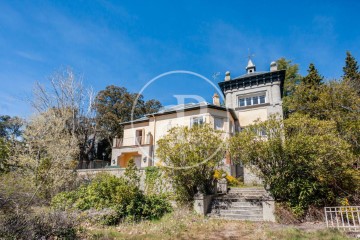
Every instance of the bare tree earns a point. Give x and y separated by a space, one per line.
72 104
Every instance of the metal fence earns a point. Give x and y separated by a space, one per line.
345 218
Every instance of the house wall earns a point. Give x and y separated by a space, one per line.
247 115
157 127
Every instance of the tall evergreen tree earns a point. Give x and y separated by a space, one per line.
351 71
306 95
313 78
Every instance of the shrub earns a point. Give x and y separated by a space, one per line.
303 161
152 179
156 206
124 200
232 181
190 157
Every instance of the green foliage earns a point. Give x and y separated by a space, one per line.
313 79
351 72
132 173
303 160
232 181
10 127
305 96
4 156
190 157
292 79
109 192
115 104
152 179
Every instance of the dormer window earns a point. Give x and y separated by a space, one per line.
252 100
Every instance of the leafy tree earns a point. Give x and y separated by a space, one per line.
339 102
303 160
115 104
10 127
292 79
351 71
4 156
189 157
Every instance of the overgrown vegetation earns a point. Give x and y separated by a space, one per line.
190 157
122 196
153 181
309 159
184 224
303 161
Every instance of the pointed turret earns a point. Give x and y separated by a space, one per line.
250 68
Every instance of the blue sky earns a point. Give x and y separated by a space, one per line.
127 43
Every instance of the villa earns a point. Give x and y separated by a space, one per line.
252 96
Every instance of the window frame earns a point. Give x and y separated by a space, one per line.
248 100
197 117
222 123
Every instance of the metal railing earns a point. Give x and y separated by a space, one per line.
345 218
120 142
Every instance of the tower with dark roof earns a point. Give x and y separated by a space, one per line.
254 95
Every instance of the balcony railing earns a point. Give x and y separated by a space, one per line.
132 141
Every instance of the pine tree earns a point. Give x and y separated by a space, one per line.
306 95
351 71
313 78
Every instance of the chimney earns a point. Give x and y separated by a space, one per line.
216 99
227 76
273 66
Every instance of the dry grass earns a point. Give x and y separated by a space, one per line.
183 224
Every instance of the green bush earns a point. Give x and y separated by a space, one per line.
110 192
303 161
189 158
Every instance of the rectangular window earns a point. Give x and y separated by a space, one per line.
139 134
242 102
262 98
218 123
197 121
254 100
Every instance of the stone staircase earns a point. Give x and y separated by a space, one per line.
239 204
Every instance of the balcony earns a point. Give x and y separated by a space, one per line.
132 141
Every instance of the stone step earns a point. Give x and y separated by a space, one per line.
236 198
247 192
236 202
241 212
237 208
247 189
237 217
